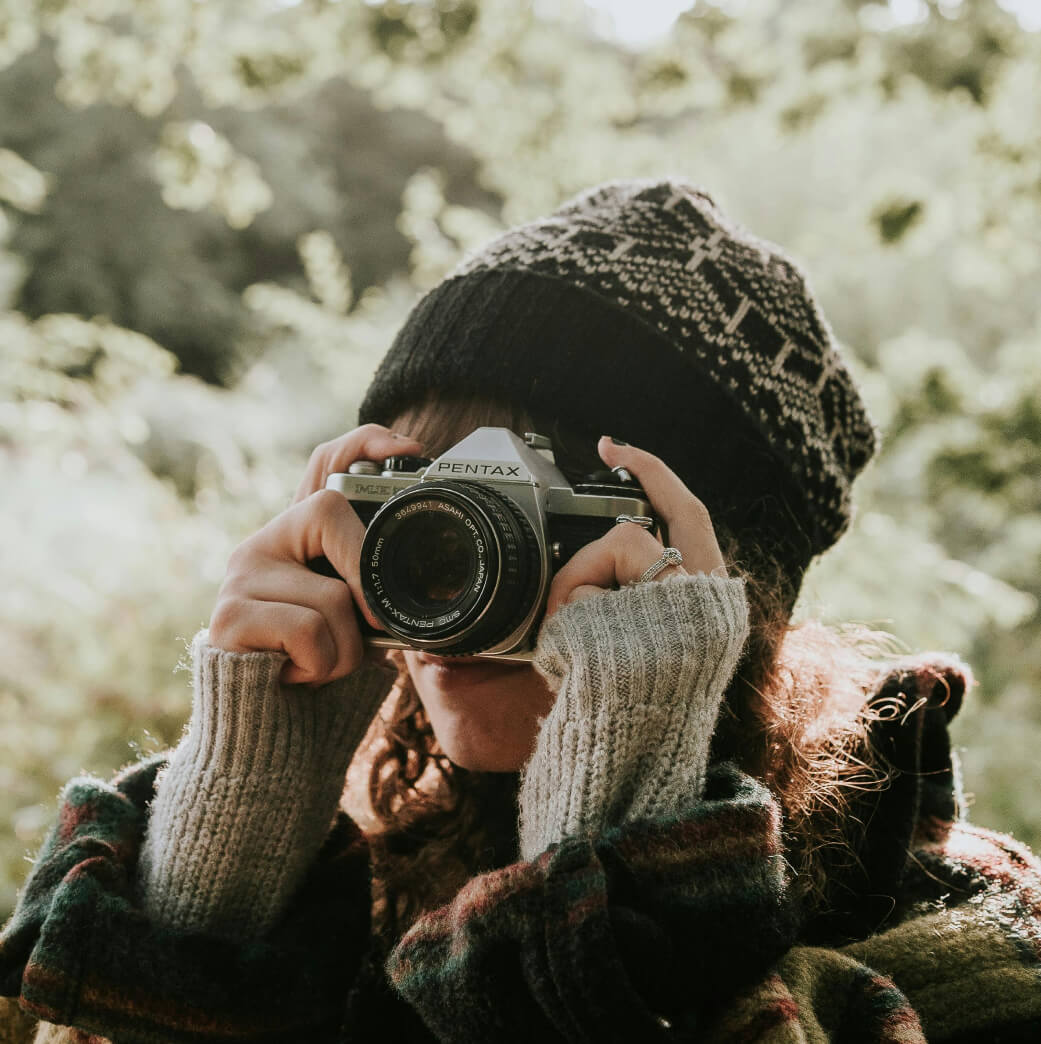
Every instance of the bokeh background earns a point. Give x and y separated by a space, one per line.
213 216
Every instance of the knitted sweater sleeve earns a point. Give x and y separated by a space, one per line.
639 674
172 904
249 794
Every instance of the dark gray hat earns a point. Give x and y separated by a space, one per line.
639 309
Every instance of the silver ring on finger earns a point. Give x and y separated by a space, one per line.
643 521
670 557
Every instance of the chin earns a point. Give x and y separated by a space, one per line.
485 761
479 751
485 714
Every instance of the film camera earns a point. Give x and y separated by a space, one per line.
459 552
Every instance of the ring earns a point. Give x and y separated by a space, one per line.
670 557
641 520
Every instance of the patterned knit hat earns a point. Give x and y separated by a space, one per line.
640 310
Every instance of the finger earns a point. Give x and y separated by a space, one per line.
620 556
323 524
584 591
292 584
369 442
301 633
349 652
690 526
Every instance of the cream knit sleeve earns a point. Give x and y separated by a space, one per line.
250 792
639 675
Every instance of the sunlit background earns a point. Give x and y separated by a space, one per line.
214 215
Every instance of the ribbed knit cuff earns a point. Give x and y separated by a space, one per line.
639 675
248 796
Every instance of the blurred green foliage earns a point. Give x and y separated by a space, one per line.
214 215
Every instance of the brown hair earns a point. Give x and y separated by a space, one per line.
793 716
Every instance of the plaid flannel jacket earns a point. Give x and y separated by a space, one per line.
675 930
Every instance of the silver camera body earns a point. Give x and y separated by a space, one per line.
459 552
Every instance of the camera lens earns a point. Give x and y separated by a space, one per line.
433 562
453 566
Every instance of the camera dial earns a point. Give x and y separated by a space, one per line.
406 464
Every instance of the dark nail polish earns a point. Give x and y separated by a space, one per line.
618 442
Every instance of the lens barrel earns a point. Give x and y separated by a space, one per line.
451 566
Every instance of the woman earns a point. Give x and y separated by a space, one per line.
687 821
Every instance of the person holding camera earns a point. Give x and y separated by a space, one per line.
619 795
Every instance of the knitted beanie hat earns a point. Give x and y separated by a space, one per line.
638 309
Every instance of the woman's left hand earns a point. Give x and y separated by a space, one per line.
625 552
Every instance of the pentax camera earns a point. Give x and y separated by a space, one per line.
459 552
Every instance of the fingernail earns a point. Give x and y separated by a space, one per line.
618 442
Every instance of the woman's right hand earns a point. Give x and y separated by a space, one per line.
270 600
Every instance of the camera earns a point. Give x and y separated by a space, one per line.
459 552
